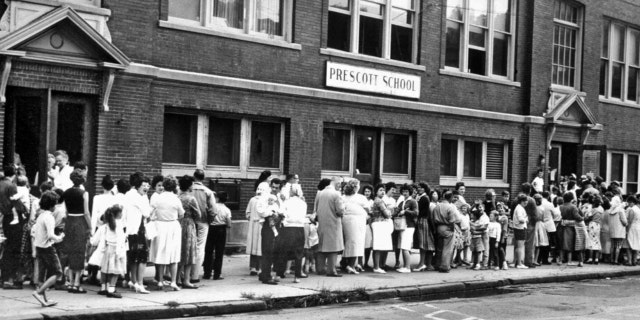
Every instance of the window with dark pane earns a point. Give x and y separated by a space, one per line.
179 134
616 166
224 142
265 144
396 153
472 159
449 157
370 37
339 25
336 146
632 174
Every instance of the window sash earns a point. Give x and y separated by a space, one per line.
387 22
490 31
567 73
202 146
249 16
627 180
623 69
460 160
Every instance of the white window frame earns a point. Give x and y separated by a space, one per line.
355 13
627 64
207 22
482 181
625 168
395 176
398 178
463 54
578 51
241 171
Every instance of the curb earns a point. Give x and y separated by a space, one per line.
443 290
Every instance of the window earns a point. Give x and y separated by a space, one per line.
380 28
480 37
263 18
336 146
567 20
624 168
347 151
179 138
620 62
469 159
221 143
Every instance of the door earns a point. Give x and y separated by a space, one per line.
39 122
366 147
25 131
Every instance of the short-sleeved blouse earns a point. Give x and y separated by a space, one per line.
379 211
166 207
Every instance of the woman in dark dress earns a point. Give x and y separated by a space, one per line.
189 248
76 229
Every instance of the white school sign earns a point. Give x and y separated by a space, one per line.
345 76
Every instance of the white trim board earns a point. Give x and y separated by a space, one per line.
270 87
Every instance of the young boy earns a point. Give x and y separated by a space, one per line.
495 232
21 195
479 224
310 244
503 219
217 239
46 255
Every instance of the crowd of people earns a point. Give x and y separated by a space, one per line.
179 225
56 241
582 221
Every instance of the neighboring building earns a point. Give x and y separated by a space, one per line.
484 92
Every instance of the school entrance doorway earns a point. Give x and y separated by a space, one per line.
40 121
563 161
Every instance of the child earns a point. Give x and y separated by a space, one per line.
479 224
462 257
112 244
503 219
274 209
541 239
44 237
310 244
22 195
494 230
218 233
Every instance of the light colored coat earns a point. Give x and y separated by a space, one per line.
617 222
330 208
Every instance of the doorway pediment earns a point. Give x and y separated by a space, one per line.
570 109
61 36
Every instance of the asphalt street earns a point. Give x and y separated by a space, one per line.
594 299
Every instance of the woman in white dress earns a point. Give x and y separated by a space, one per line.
354 224
382 228
367 191
633 229
166 246
254 239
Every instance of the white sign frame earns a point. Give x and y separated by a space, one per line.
344 76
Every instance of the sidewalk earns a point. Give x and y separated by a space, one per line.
239 292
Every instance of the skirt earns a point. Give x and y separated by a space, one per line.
458 238
568 238
368 237
406 239
581 238
354 232
189 248
605 241
74 244
381 231
633 236
426 241
165 247
594 236
112 262
541 239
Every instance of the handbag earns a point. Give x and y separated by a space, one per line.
151 230
400 223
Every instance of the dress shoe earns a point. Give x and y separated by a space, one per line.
270 281
334 275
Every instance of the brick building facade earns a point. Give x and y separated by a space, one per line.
480 92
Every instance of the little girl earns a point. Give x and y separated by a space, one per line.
113 243
274 209
479 223
310 244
